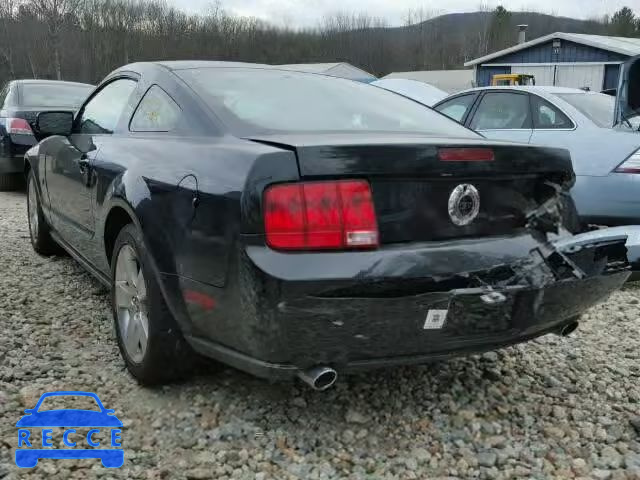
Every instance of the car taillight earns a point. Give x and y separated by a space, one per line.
630 165
465 155
320 216
18 126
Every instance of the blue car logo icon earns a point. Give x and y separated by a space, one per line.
69 418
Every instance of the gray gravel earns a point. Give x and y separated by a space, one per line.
563 408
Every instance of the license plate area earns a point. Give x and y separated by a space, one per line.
475 314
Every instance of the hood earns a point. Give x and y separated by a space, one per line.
628 95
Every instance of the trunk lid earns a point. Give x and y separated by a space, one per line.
23 142
31 113
627 111
419 197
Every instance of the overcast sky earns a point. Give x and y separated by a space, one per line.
309 12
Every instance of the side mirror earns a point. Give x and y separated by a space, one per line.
54 123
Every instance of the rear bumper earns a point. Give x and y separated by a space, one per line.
12 152
360 334
283 313
11 164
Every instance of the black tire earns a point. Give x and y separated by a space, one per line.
39 230
11 181
167 356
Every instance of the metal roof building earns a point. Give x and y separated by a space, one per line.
563 59
450 81
342 70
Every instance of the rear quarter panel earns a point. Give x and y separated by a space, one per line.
186 194
594 151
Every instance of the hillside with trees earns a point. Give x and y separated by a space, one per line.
82 40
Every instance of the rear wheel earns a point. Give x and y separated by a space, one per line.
11 181
149 340
39 230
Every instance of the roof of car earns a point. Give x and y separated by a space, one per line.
36 81
188 64
529 88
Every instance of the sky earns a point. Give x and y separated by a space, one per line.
305 13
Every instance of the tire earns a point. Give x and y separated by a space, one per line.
11 181
160 354
39 230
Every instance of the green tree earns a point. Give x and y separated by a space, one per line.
624 23
500 29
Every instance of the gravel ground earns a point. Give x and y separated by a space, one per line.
563 408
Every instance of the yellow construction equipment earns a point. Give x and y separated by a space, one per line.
510 79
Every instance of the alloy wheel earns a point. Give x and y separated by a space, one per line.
131 303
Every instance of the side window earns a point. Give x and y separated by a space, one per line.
456 108
3 94
546 115
157 112
103 111
10 95
502 111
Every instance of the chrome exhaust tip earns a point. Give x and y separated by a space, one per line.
319 378
568 329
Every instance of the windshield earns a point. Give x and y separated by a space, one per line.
598 107
274 100
54 95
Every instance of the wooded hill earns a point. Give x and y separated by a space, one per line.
82 40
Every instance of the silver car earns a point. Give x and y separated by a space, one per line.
603 140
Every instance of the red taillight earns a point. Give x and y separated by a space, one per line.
465 155
18 126
630 165
320 216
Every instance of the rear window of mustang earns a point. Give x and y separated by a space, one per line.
285 101
54 95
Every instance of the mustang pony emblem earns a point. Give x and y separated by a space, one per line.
464 204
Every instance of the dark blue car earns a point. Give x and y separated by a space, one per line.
105 418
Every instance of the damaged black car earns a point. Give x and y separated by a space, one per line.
293 224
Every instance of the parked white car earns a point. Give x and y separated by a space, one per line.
419 91
603 140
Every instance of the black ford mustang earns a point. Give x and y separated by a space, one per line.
295 224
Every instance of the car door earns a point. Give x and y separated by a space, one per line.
503 115
627 110
69 172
